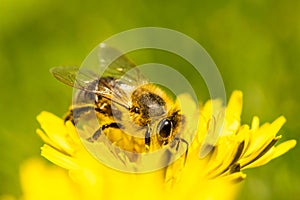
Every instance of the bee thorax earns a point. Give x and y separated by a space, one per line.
145 106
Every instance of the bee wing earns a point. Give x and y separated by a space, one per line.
117 65
127 77
118 79
89 82
75 77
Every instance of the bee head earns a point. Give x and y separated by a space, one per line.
152 108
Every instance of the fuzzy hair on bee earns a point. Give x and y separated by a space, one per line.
134 114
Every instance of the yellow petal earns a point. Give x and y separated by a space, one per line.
40 181
261 137
55 129
59 158
46 139
72 132
50 123
262 160
234 108
283 148
255 123
207 178
278 123
259 155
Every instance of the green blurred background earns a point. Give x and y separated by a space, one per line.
255 44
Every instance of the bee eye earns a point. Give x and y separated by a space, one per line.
165 127
136 110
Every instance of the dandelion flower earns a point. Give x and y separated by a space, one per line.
211 176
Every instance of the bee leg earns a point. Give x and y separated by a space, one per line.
179 140
69 117
97 134
147 139
75 113
174 169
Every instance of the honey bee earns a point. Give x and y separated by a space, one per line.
136 115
